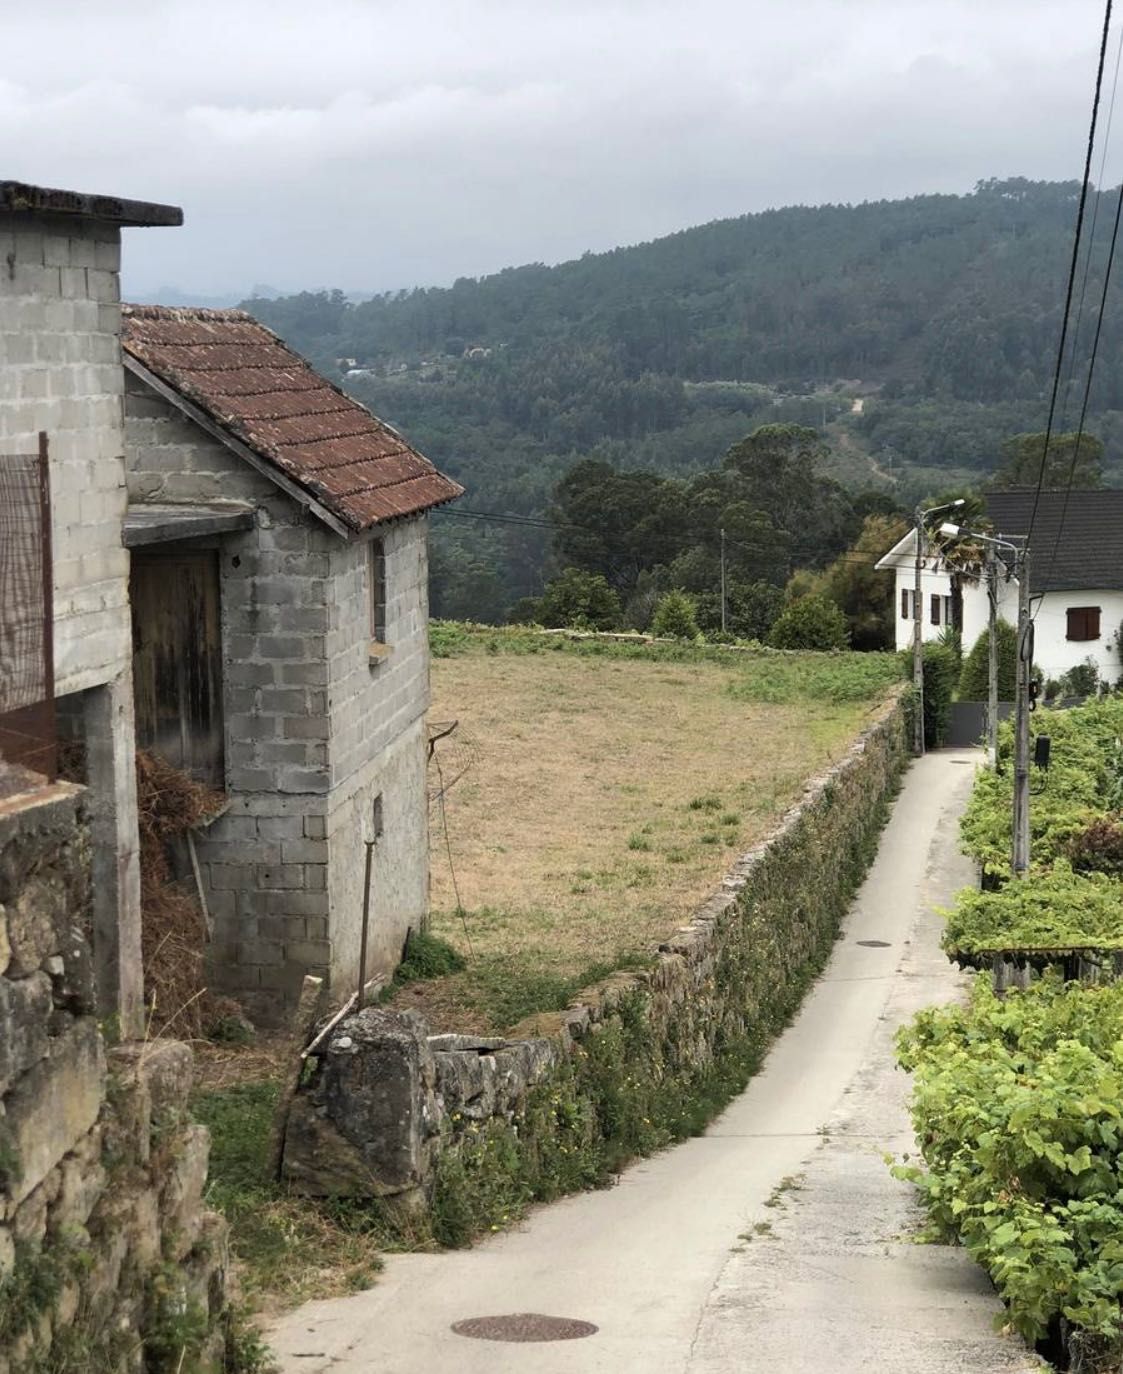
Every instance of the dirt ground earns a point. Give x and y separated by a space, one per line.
604 800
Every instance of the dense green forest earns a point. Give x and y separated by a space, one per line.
914 335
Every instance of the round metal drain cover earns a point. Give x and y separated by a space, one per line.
874 944
524 1326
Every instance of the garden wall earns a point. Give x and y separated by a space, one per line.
108 1260
466 1130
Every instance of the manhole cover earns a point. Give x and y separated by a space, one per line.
874 944
524 1326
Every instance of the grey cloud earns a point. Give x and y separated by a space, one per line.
374 144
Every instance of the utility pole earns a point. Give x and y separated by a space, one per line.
918 635
723 581
1021 721
992 657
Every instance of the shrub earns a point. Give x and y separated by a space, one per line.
1015 1104
974 680
812 622
579 599
1054 911
1081 681
674 617
1098 848
941 672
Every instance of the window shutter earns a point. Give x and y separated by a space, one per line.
1083 623
935 609
904 603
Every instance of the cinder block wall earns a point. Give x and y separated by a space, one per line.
313 731
378 747
60 371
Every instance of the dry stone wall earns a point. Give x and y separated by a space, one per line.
462 1127
108 1259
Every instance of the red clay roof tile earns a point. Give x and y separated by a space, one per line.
262 393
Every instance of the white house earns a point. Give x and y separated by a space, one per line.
1076 580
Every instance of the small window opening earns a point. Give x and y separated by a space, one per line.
376 583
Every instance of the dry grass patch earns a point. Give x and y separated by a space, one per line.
607 798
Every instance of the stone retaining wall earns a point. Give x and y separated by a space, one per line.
394 1113
108 1260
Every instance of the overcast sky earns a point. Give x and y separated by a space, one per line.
365 144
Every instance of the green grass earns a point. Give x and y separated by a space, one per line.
290 1249
758 674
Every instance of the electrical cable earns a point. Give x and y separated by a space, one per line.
1106 143
1087 393
1077 236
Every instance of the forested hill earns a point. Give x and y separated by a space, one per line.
917 334
952 294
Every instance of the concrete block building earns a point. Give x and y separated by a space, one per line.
279 597
61 375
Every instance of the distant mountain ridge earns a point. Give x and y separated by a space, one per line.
941 312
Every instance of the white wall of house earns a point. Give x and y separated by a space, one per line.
1054 652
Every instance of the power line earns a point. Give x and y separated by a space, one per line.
1072 266
1074 351
1087 391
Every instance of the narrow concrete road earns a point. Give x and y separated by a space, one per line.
662 1263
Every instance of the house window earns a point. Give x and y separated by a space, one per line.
1083 622
937 602
949 611
904 603
376 593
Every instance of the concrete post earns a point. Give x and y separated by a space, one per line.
115 857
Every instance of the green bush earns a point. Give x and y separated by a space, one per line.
581 600
1085 779
1083 680
812 622
941 673
1058 910
674 617
974 680
1016 1105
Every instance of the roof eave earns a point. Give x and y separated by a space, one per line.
237 446
21 198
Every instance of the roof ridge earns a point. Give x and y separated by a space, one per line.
226 315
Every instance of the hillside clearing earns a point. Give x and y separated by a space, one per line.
606 798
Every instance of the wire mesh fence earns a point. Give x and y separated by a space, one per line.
28 735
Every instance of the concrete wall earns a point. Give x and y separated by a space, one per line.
60 371
315 727
101 1172
378 747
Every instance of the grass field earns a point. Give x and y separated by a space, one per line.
609 790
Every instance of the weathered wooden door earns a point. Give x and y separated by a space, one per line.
177 660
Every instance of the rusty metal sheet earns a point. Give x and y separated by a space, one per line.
263 394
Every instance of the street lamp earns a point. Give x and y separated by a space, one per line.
921 517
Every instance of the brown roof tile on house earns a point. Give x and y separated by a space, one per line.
261 393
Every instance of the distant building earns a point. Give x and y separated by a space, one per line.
1076 580
280 609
